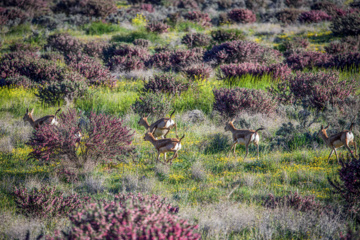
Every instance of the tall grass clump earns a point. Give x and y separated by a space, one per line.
100 28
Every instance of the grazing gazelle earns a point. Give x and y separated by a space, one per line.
243 137
337 140
162 126
164 146
49 119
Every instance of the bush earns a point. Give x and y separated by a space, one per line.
71 86
302 60
200 18
230 102
64 43
147 7
17 81
242 16
345 61
95 48
314 16
142 43
91 8
339 47
222 35
91 69
295 43
105 138
232 72
181 59
160 60
346 25
196 40
152 103
165 83
46 202
294 3
100 28
130 217
349 185
13 16
53 56
32 8
288 16
241 51
187 4
16 47
157 27
328 7
198 72
295 201
317 89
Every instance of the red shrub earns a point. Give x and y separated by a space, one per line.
157 27
201 18
165 83
160 60
346 60
104 139
196 40
241 51
232 71
349 186
130 217
302 60
181 59
242 16
147 7
288 16
230 102
314 16
91 69
46 202
339 47
198 72
64 43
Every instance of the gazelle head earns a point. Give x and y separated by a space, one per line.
143 121
28 116
149 135
322 131
229 125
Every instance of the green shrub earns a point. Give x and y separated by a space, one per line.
99 28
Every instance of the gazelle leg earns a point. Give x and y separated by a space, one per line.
176 131
168 130
354 143
257 146
164 156
337 158
330 154
348 148
247 150
158 156
232 146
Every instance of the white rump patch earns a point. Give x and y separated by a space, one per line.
177 147
169 123
350 136
54 122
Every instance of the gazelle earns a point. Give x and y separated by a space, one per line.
49 119
165 145
337 140
162 126
243 137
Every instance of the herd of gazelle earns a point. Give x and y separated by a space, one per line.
162 127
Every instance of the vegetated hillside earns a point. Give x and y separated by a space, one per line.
288 69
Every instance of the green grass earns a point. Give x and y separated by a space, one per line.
100 28
129 37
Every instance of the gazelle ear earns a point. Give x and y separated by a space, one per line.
32 111
148 115
322 127
153 130
327 126
27 110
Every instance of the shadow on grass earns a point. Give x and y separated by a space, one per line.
217 143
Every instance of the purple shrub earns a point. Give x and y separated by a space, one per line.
53 56
67 175
295 201
198 72
339 47
346 60
147 7
160 60
95 48
69 86
192 40
142 43
196 16
91 69
187 4
65 43
296 43
13 15
17 81
91 8
242 16
288 16
241 51
32 8
328 7
314 16
130 217
294 3
157 27
181 59
349 185
318 89
302 60
46 202
221 35
165 83
234 71
348 25
106 138
230 102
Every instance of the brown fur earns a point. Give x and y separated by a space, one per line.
160 131
28 117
